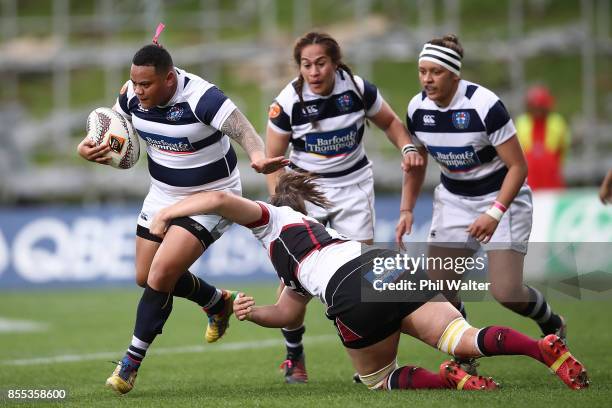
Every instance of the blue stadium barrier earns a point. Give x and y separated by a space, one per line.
58 247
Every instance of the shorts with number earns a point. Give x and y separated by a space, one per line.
352 212
453 214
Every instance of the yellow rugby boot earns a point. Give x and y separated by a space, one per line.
219 322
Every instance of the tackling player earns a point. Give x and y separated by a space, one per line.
313 261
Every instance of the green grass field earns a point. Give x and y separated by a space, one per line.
91 327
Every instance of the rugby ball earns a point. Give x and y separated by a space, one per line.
106 126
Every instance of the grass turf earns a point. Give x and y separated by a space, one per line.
241 369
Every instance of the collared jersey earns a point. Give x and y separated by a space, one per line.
186 150
304 253
334 146
461 137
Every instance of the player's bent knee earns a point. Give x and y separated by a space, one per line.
376 380
160 274
450 338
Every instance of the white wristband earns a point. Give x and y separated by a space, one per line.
495 213
407 148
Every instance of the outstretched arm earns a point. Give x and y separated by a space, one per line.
232 207
238 128
276 145
397 133
289 308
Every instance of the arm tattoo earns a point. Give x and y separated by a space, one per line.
238 128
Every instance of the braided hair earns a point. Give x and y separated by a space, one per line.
332 50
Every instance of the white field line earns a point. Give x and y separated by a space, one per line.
244 345
20 326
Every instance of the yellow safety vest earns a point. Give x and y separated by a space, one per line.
556 139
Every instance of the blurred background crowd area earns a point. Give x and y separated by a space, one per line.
60 59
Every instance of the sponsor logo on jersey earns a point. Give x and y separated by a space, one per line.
174 113
461 120
144 216
168 144
455 158
333 143
344 103
116 143
310 110
429 120
274 110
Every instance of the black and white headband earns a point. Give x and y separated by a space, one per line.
444 56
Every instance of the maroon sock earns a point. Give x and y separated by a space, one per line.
412 378
498 340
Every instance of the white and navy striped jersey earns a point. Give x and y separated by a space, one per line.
304 253
334 147
461 137
185 149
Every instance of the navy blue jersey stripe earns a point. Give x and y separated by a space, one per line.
423 95
369 94
195 176
359 165
451 121
496 118
319 109
132 104
209 104
282 120
186 82
178 114
123 102
409 124
469 91
473 188
212 139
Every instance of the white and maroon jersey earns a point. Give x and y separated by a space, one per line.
461 137
334 147
186 150
303 252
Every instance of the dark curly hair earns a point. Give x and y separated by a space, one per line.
153 55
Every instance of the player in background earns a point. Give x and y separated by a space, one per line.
545 138
483 199
314 261
322 114
187 123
